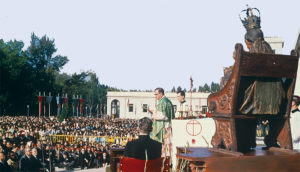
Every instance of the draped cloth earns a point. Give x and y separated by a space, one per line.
162 128
264 95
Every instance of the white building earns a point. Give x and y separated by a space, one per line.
134 105
297 47
276 44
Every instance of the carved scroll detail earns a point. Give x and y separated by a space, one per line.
225 101
223 135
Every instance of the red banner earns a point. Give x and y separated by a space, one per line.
40 99
66 100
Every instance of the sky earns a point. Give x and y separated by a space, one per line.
139 44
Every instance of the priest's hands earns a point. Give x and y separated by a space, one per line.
151 111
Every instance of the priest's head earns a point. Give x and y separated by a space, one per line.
159 93
295 102
145 126
181 96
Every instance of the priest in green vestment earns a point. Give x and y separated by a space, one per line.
162 116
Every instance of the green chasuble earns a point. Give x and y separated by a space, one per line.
159 130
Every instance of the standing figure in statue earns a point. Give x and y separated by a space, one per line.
162 116
263 96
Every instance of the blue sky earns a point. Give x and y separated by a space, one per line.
137 44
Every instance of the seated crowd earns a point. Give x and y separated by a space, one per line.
25 144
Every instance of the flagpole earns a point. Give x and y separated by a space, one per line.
127 105
58 104
125 109
44 104
40 104
200 107
191 90
135 111
49 101
77 105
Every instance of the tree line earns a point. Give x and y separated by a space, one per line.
214 87
24 72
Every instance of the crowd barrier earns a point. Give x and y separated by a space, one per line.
71 139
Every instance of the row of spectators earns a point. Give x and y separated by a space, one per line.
23 149
70 126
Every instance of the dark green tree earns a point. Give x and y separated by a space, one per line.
41 54
206 88
45 65
24 73
214 87
13 77
200 89
173 89
179 89
87 85
65 113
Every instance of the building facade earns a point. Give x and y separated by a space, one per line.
297 47
134 105
276 44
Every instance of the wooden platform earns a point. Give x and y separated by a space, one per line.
213 160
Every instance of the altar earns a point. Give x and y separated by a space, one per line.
191 133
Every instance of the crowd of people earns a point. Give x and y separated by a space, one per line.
262 128
25 143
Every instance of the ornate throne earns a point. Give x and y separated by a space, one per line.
234 130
